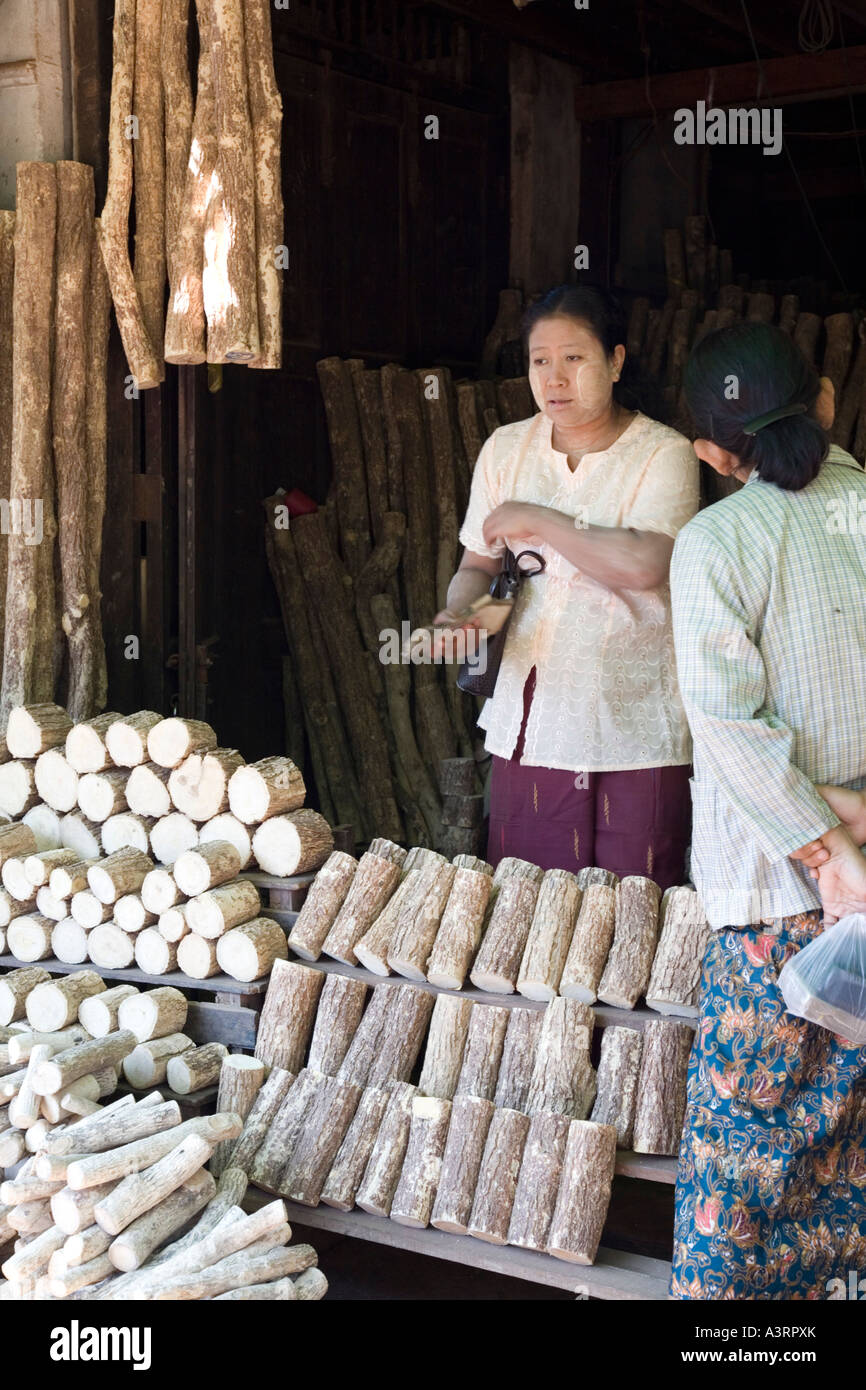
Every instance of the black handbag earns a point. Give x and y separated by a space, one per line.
506 585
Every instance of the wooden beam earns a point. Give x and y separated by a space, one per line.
802 77
730 17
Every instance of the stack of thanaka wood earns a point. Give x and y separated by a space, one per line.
584 936
206 181
54 320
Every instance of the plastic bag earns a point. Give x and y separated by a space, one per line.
826 981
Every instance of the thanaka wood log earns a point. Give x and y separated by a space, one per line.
245 1268
324 899
137 1242
446 1041
170 741
143 1154
56 782
131 914
177 107
29 938
549 935
99 1012
387 1042
461 1162
288 1015
147 790
347 1170
278 1290
85 746
24 1106
33 1260
49 906
296 843
110 947
149 172
21 1044
7 277
73 1210
584 1192
81 834
69 941
228 827
197 870
80 1277
674 986
482 1053
266 116
839 330
661 1087
270 787
12 907
240 1081
419 922
618 1071
70 878
587 878
64 1067
217 910
265 1108
33 728
249 951
196 1068
199 785
277 1145
119 873
126 738
497 1177
326 1121
94 1086
563 1079
14 989
96 426
54 1004
12 1147
140 1192
629 963
172 836
538 1182
384 1167
806 332
413 1199
87 910
159 892
341 1004
172 924
15 880
100 794
850 405
18 792
372 948
197 957
85 1245
517 1064
17 841
125 830
147 1064
335 383
497 963
154 954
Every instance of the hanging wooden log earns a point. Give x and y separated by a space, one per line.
661 1088
197 957
674 986
584 1192
347 1170
325 898
240 1082
618 1071
626 974
593 934
839 329
470 1121
149 170
98 1013
563 1079
412 1203
96 425
518 1059
126 738
497 1177
119 873
418 923
154 954
147 1064
54 1004
296 843
446 1040
288 1015
177 104
538 1182
248 952
153 1014
549 935
147 790
102 794
142 354
80 834
497 963
198 870
265 1108
341 1004
371 887
199 785
219 909
482 1053
266 115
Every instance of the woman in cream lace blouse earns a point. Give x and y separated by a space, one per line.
589 738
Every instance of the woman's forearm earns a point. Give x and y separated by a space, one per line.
613 555
467 585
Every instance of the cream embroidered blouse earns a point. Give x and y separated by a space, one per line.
606 696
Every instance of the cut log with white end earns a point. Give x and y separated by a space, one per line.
125 831
93 1086
69 942
13 907
14 989
675 980
263 1263
31 729
15 880
373 947
172 923
266 1107
419 922
415 1194
17 788
629 963
22 1044
199 785
563 1079
140 1192
99 1013
69 878
461 1163
123 872
459 934
341 1004
80 1277
54 1004
49 906
240 1081
372 885
86 749
197 870
153 954
549 936
172 740
311 1285
497 1177
325 1125
353 1155
153 1014
538 1184
33 1260
115 1126
197 957
147 1064
497 963
29 938
584 1192
228 827
56 782
519 1053
446 1040
385 1164
102 794
126 738
267 788
590 944
44 821
324 899
248 952
17 841
73 1211
216 911
88 911
296 843
288 1015
85 1245
138 1241
618 1072
81 834
172 836
482 1054
24 1107
12 1147
110 947
159 892
661 1087
196 1068
65 1067
131 914
147 791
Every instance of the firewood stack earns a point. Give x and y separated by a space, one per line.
54 318
206 179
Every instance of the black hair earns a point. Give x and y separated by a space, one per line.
738 374
605 317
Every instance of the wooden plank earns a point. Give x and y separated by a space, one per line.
649 1167
616 1274
231 1024
222 984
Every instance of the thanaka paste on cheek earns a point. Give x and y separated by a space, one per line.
593 385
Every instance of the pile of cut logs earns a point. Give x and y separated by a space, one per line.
54 320
584 936
510 1134
208 199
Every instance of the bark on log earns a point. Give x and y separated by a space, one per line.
277 1290
593 934
154 954
278 1143
7 276
419 921
154 1014
112 1128
446 1041
80 834
126 738
323 902
140 1192
296 843
267 788
169 741
196 1068
137 1241
368 399
341 1005
110 947
240 1082
248 952
497 1177
389 1037
538 1183
85 1245
589 877
172 836
850 406
69 941
24 1107
325 1126
29 938
618 1071
197 870
584 1192
11 907
149 170
806 334
14 989
839 329
144 1154
33 1259
563 1080
73 1210
266 115
661 1088
497 963
54 1004
119 873
147 790
38 867
67 879
16 842
228 827
674 986
549 935
288 1015
347 1170
197 957
372 885
177 111
335 383
217 910
265 1108
97 454
21 1044
17 784
131 914
87 910
113 228
485 1040
461 1163
627 972
412 1204
100 794
373 947
199 785
59 1071
517 1065
246 1268
127 831
173 925
98 1013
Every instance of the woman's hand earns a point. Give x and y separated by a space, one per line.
516 521
850 807
842 877
447 625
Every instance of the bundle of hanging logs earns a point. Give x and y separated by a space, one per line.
510 1134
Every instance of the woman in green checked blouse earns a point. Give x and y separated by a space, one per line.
769 616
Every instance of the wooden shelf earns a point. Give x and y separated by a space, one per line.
215 984
615 1275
